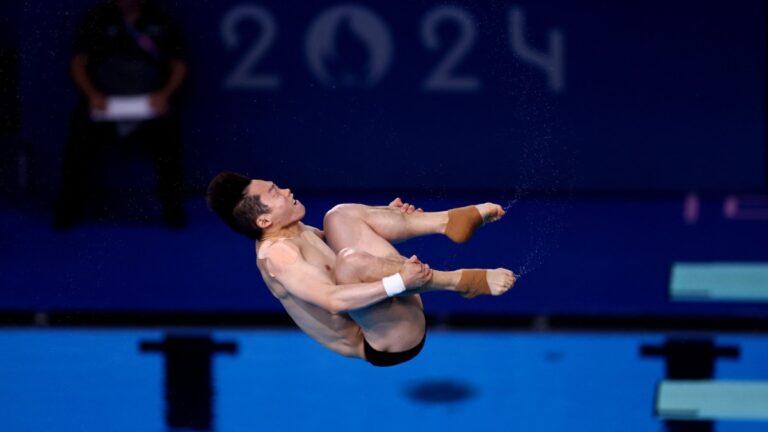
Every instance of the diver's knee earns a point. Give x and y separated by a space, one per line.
349 265
341 212
353 258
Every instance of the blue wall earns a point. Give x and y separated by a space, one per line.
575 258
666 97
445 105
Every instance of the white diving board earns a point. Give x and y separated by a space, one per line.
712 400
746 282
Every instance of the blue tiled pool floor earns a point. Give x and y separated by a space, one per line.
280 380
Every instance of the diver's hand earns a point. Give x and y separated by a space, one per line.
415 273
404 207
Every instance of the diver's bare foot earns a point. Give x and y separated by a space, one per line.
490 212
500 280
475 282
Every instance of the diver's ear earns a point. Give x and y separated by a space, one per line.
264 221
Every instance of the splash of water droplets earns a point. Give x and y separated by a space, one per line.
510 203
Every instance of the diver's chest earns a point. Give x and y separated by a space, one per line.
316 252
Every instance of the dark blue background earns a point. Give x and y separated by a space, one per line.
657 96
658 100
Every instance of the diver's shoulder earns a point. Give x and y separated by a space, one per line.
280 245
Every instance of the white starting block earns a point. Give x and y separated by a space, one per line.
712 400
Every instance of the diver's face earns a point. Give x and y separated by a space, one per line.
284 209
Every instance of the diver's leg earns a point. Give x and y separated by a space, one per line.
345 224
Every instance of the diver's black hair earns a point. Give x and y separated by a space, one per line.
227 198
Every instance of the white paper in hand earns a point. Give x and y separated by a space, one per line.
125 108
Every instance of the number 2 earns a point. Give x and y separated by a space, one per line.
442 78
243 75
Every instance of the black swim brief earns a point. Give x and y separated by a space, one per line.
380 358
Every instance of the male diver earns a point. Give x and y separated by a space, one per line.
346 286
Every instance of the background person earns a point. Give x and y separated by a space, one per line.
122 48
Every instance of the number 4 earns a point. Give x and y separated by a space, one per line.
552 64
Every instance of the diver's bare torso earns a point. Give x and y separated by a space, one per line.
397 319
338 332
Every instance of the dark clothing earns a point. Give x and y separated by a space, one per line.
380 358
10 106
125 59
91 143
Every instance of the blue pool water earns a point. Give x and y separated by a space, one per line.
100 380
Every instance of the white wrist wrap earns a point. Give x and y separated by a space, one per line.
394 284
